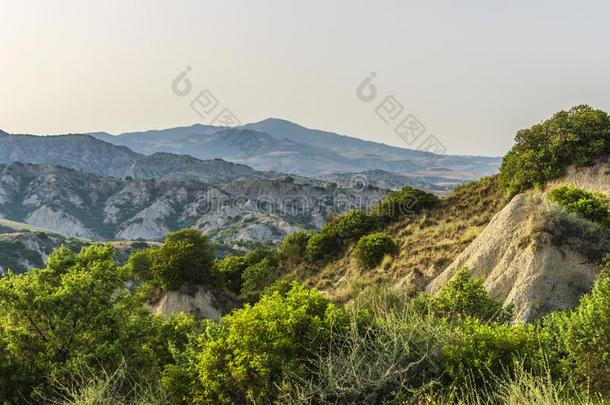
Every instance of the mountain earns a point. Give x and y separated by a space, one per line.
280 145
77 203
84 152
392 181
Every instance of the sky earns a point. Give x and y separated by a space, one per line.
471 72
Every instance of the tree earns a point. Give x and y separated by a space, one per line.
543 152
294 245
256 278
242 359
371 249
186 257
465 296
75 313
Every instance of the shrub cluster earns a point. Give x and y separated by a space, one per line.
591 206
541 153
336 235
371 249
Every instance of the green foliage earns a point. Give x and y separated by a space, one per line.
294 245
354 224
478 351
325 244
591 206
186 257
371 249
582 336
231 269
543 152
406 201
139 264
74 313
252 349
257 278
464 296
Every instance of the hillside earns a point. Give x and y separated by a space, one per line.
86 153
533 255
80 204
283 146
428 242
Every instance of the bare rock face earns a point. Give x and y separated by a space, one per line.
534 256
198 301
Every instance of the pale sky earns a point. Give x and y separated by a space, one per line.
473 72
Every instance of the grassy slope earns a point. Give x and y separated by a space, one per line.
428 243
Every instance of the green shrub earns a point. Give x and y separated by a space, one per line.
478 353
139 264
257 278
583 337
325 244
243 358
591 206
74 314
371 249
543 152
186 257
406 201
354 224
464 296
294 245
230 270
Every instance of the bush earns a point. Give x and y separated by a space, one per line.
371 249
294 245
230 270
242 359
139 264
543 152
354 224
591 206
464 296
186 257
257 278
406 201
325 244
583 336
73 315
478 352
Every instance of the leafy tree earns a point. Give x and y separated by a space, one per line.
140 262
186 256
543 152
584 336
257 278
74 313
406 201
592 206
371 249
231 268
294 245
464 296
325 244
241 359
354 224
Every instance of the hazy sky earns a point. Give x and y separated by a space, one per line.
473 72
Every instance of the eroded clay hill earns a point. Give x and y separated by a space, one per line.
535 256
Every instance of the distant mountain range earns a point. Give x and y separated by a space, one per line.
143 185
77 203
283 146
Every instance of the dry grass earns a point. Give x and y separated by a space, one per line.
428 243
